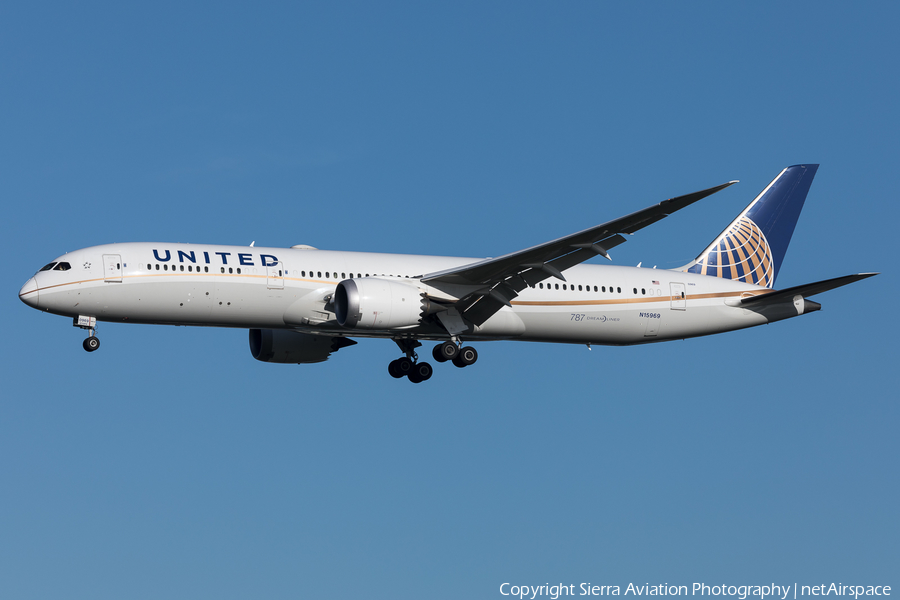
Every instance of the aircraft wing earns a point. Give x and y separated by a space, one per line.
501 279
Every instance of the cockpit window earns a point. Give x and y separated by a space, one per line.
48 267
63 266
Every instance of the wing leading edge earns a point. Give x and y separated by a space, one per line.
502 278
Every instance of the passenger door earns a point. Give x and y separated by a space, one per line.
275 276
679 301
112 268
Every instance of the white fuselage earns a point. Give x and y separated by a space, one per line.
279 288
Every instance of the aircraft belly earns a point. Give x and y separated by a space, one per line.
625 324
189 302
610 325
251 305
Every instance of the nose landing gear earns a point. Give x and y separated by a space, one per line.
89 323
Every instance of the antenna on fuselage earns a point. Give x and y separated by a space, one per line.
251 243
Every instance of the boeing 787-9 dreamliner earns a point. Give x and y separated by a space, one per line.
301 304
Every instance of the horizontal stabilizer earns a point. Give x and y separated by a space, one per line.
805 290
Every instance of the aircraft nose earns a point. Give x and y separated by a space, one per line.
29 293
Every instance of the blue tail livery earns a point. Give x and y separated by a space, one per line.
752 248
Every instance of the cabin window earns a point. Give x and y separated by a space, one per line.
595 288
149 267
635 290
320 273
556 285
47 267
579 288
230 270
206 269
182 267
327 275
223 269
643 291
541 285
359 275
165 267
157 266
620 290
239 270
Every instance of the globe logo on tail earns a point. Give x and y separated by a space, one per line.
742 253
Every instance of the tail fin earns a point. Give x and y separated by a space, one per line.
752 248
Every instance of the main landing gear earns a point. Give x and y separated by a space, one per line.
409 365
461 357
417 372
89 323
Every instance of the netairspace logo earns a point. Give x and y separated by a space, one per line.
741 592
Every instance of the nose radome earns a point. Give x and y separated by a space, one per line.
29 293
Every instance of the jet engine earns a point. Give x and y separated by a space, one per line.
286 346
373 303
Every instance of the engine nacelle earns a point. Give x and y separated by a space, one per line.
286 346
373 303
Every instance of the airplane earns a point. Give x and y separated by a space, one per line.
301 304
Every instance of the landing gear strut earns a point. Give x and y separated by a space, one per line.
89 323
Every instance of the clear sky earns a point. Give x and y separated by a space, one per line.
170 464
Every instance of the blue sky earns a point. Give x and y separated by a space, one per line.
171 464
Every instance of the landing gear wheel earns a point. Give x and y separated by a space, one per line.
91 344
444 352
392 369
467 356
420 372
401 367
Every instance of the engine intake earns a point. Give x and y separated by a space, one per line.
373 303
